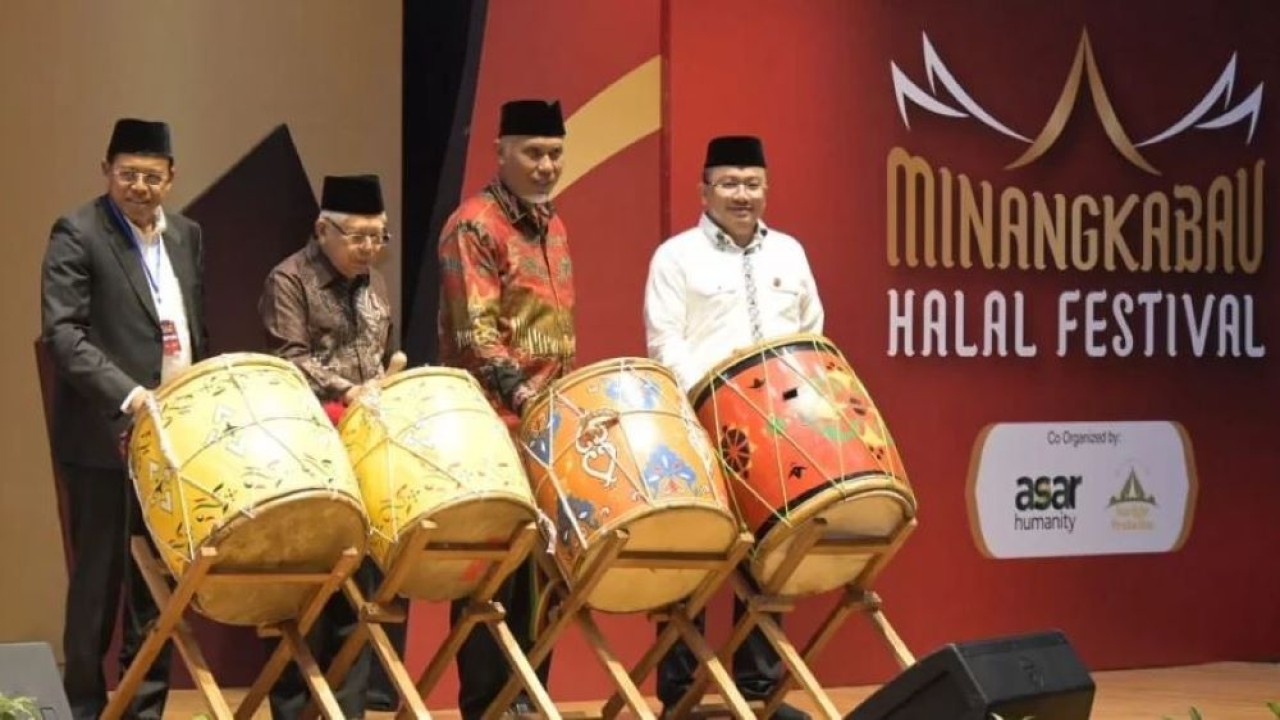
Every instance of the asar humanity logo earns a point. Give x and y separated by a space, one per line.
1205 115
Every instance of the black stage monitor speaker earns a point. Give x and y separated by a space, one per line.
28 670
1035 675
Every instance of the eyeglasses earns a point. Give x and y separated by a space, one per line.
731 186
376 239
129 177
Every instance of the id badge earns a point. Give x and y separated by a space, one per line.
169 335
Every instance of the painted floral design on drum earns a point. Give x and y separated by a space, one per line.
634 391
735 449
823 407
876 443
540 442
573 511
666 472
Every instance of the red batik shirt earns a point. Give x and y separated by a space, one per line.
506 296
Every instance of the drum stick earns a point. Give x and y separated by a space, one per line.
397 362
394 365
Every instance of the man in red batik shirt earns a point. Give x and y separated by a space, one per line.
506 315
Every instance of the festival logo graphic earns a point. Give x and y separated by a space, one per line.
951 219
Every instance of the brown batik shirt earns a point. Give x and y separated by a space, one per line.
336 330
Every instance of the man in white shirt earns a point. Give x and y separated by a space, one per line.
727 284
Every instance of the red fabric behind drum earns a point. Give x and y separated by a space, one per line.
813 79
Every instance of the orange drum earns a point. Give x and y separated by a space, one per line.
615 445
800 439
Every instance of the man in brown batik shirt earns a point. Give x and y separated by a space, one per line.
325 309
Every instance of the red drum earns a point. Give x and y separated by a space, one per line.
800 439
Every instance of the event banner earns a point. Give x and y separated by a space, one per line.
1101 219
1207 225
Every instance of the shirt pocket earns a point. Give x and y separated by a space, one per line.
713 286
783 296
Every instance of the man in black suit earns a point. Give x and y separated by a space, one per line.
121 313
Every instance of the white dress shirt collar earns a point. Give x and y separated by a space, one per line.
144 237
721 239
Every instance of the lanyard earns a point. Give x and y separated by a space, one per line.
153 278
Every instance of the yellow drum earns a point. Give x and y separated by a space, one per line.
616 445
428 446
239 455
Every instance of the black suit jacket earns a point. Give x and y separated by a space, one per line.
100 327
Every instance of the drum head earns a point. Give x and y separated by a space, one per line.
599 370
742 360
306 532
872 509
478 518
663 529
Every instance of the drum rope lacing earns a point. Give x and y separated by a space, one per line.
250 508
596 423
556 398
739 478
389 440
545 522
172 468
406 440
721 380
234 374
371 399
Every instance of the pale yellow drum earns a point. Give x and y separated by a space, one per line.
239 455
615 445
428 446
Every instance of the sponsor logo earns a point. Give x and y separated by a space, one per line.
1132 508
1046 503
1098 489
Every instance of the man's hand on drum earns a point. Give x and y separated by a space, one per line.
353 393
394 365
138 401
521 397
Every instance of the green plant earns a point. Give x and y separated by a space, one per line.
18 708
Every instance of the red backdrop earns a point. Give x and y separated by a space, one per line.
813 79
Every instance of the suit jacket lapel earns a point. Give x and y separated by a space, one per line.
130 262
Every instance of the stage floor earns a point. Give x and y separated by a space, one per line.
1220 691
